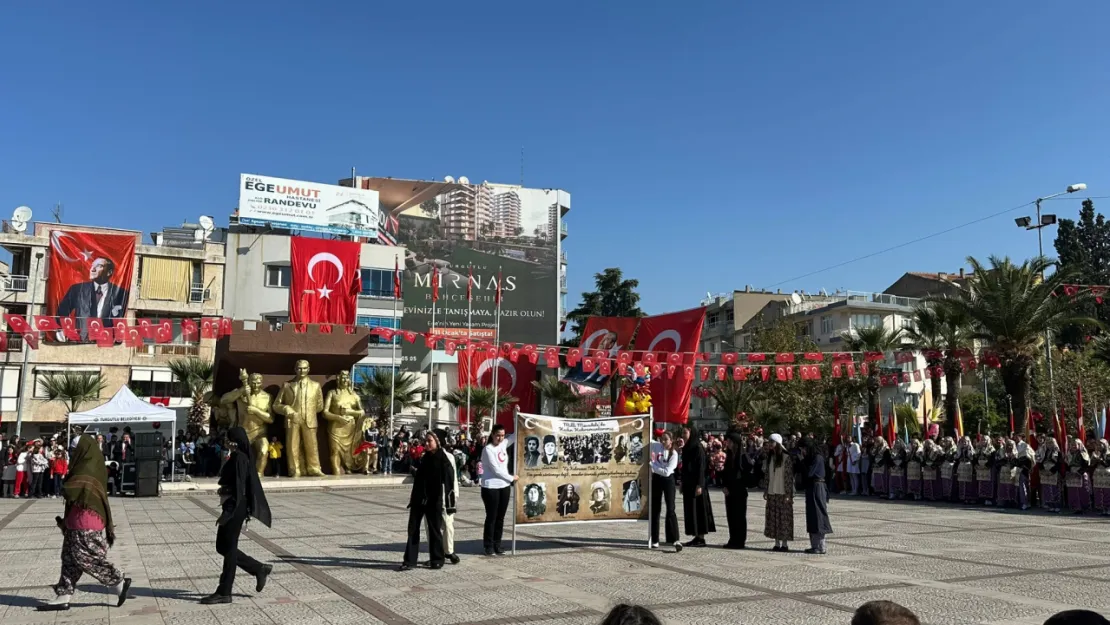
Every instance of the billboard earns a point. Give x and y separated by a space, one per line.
582 469
308 206
469 235
89 276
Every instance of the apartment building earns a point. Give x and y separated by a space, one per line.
179 274
466 211
506 214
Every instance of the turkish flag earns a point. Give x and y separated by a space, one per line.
16 323
90 275
676 332
325 281
513 378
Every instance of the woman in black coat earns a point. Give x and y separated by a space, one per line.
696 507
433 493
736 477
817 498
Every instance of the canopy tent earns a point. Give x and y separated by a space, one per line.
124 407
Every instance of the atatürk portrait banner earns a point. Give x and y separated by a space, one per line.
582 469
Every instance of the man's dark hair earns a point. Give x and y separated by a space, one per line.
625 614
495 429
1076 617
884 613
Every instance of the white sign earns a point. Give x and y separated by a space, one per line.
308 206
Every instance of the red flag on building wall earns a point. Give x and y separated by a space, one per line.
677 332
325 281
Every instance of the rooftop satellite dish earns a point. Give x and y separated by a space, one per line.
206 223
464 180
23 213
18 226
449 179
794 297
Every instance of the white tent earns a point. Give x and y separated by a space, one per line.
124 407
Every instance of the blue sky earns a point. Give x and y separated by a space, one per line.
706 145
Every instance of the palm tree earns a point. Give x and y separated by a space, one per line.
874 339
926 336
947 331
1011 308
1100 348
195 376
406 391
767 415
560 393
72 389
731 397
481 403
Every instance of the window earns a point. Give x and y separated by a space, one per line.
364 372
278 276
42 373
907 323
714 348
379 322
377 283
150 382
712 319
866 321
828 324
730 315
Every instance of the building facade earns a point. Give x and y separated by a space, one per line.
178 275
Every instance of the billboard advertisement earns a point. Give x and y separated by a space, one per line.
468 236
308 206
89 276
582 469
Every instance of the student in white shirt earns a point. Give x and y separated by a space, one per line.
854 453
664 462
496 485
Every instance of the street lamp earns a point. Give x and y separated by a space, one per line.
1042 221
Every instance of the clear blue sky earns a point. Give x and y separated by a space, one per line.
706 145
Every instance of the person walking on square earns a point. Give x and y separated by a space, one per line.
778 491
697 510
87 528
818 524
496 482
736 475
241 498
664 462
433 496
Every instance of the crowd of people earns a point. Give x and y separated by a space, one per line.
1008 472
33 468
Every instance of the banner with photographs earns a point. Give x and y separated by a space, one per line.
582 469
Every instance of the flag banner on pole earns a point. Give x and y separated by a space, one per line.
605 334
582 469
514 379
396 279
675 333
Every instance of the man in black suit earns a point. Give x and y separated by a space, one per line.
122 453
96 299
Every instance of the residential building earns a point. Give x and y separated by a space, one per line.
178 275
466 211
506 214
922 285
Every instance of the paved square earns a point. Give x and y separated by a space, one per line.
335 551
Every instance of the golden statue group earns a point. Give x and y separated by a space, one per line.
299 401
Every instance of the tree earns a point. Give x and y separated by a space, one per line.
195 377
1072 368
518 231
481 404
876 339
406 391
614 297
925 333
945 331
430 207
732 397
72 389
1083 247
1011 308
560 393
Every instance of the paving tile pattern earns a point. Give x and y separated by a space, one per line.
335 553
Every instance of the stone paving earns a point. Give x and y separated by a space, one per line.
335 552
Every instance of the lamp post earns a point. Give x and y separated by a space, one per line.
34 278
1042 222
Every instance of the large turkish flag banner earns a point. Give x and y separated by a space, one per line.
89 276
605 334
325 281
670 333
513 378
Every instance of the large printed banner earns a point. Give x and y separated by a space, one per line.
90 277
308 206
582 469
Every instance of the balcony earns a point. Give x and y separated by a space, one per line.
13 284
562 284
562 229
168 349
192 300
563 257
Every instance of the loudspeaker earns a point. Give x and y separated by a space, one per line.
146 469
146 487
148 446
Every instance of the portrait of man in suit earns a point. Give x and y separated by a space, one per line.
98 298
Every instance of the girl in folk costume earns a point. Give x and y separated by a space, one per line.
1000 465
966 488
947 469
984 472
1100 477
880 461
898 470
931 457
913 469
1077 481
1048 464
778 491
1022 464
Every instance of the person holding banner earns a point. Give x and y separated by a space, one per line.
664 461
736 475
496 485
697 510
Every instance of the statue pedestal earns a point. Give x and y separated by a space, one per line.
273 354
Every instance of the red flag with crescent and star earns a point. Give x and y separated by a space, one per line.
678 332
325 281
477 367
90 276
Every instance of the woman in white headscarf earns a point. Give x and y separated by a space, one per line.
1100 477
913 470
965 471
948 469
1022 468
1077 480
898 470
1048 461
1003 464
778 491
984 476
880 467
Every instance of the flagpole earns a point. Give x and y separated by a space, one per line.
497 346
393 340
432 354
470 361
